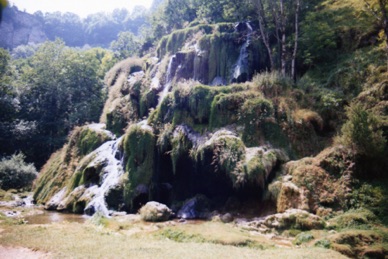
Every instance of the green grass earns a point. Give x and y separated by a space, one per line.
74 240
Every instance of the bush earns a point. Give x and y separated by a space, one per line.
15 173
361 132
272 84
359 219
303 238
324 243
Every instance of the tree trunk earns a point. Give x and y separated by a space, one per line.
283 55
384 21
293 69
264 32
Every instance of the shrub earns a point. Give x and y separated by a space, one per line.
324 243
272 84
15 173
353 219
308 117
303 238
361 132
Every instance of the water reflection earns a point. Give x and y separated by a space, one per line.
48 217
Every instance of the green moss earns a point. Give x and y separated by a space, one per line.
257 169
228 153
49 179
173 43
139 147
224 107
254 112
164 139
161 113
148 100
89 140
222 53
181 146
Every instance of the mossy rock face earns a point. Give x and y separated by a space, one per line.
139 147
90 137
65 168
125 82
207 52
227 149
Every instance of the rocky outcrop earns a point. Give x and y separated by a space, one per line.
20 28
290 219
321 184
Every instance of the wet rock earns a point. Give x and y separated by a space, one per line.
195 208
227 218
155 212
56 200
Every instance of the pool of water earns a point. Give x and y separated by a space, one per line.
48 217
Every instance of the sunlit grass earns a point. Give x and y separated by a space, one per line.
74 240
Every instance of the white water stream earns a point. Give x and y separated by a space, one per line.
241 65
110 156
168 81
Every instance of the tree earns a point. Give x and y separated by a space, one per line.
362 131
67 26
274 23
126 45
378 8
60 88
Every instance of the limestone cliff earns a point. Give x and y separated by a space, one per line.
20 28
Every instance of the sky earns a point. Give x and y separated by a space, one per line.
80 7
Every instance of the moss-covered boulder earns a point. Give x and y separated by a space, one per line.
155 212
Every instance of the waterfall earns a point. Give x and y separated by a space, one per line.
240 69
169 77
110 156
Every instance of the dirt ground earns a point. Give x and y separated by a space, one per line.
20 252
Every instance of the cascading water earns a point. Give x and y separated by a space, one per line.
169 77
240 69
110 156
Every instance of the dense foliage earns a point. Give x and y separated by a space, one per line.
47 94
15 173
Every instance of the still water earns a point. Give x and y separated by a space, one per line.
48 217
